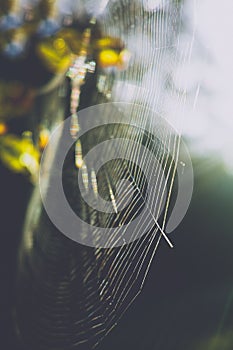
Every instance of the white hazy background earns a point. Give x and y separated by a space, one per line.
209 123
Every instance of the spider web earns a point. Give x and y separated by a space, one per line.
77 294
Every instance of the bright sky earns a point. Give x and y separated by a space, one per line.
210 124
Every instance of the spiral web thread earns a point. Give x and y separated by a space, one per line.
112 278
152 36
